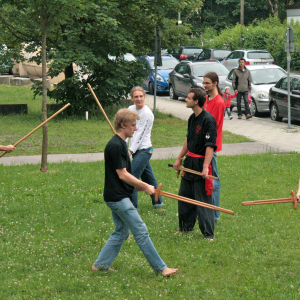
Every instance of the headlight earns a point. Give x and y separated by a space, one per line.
198 84
263 95
159 78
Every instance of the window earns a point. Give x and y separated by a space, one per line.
283 85
181 69
230 75
259 55
295 84
187 70
231 56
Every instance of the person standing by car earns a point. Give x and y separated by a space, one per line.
140 146
215 104
228 97
241 83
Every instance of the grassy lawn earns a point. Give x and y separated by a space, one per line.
75 134
53 225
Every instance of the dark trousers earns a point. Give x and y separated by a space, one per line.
239 99
188 213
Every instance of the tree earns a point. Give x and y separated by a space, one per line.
38 16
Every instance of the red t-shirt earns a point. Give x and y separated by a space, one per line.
216 107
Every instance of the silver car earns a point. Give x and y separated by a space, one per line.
252 57
263 78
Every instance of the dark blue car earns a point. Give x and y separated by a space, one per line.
168 64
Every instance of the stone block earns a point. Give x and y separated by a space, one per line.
48 82
5 79
18 81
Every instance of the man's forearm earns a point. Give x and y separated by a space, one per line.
209 152
130 179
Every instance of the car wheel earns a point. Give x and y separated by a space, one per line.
274 112
151 89
253 109
172 93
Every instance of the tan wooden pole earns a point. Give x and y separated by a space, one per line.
191 171
188 200
31 132
293 200
101 108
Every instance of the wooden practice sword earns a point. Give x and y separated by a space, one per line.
293 199
191 171
188 200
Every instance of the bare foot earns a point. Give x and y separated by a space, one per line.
160 208
96 269
168 271
207 239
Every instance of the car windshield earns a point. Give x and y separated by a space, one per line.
129 57
201 69
221 53
259 55
169 63
191 50
267 76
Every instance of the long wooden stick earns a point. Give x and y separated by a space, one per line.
101 108
188 200
31 132
293 199
191 171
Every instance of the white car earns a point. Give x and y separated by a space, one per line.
263 78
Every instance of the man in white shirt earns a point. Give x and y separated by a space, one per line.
140 146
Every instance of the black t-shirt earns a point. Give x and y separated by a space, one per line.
116 157
202 133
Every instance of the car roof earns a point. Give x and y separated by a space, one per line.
258 67
150 57
191 47
262 50
199 62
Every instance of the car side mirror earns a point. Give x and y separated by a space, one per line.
186 75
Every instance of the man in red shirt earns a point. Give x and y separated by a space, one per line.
215 104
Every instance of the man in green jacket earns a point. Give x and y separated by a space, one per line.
241 83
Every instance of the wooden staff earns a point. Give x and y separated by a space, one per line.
293 199
190 171
26 136
101 108
188 200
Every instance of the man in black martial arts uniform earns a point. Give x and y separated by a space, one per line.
199 148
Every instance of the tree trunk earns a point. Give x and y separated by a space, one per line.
44 102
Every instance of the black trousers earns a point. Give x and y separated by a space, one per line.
188 213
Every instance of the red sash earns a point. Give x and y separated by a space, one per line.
209 181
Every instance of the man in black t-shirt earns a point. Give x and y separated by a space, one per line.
199 148
118 190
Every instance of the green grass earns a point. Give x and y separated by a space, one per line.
53 225
75 134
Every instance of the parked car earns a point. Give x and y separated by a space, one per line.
252 57
212 55
186 52
278 99
263 78
168 64
126 56
189 74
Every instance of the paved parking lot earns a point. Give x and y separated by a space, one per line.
262 129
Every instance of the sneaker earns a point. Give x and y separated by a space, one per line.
248 116
231 117
239 117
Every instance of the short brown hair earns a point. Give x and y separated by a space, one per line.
124 115
199 95
137 88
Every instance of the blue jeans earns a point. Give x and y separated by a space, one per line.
239 99
126 218
228 112
141 168
216 186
